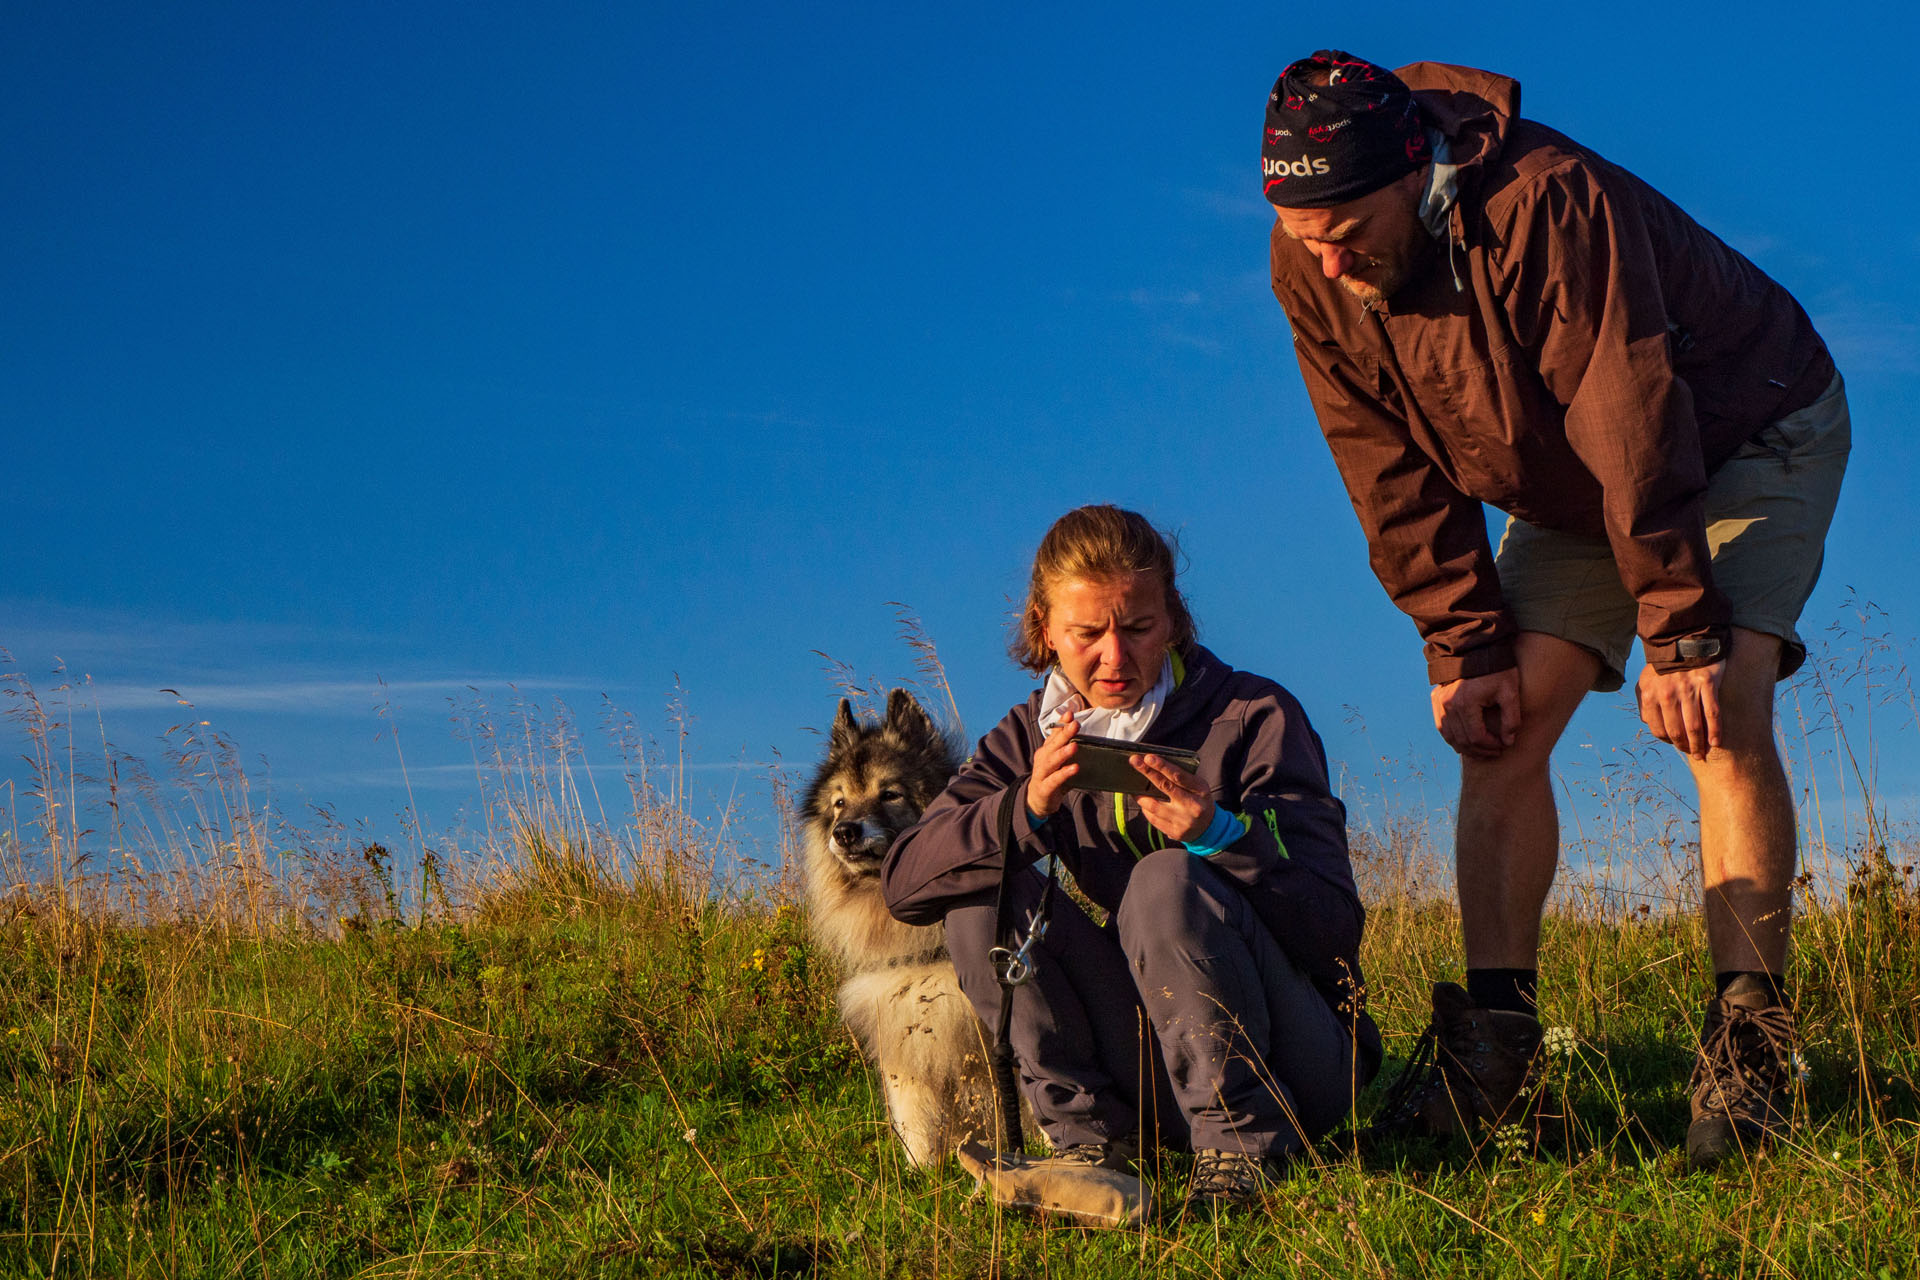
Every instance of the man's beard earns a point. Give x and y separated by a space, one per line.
1389 274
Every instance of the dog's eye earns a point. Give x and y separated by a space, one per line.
890 795
839 802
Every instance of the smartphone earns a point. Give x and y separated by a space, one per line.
1104 765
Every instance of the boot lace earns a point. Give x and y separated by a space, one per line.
1438 1066
1230 1176
1116 1154
1418 1080
1744 1061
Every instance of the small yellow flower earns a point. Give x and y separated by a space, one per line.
13 1031
757 961
1539 1216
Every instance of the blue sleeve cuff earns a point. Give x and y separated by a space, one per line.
1034 820
1221 832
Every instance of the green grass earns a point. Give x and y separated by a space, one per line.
624 1084
582 1045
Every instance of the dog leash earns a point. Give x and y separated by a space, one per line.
1012 967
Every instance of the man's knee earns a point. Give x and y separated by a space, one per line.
1747 694
1555 675
1521 766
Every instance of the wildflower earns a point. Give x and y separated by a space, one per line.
1560 1040
1509 1139
13 1031
756 962
689 1136
1539 1216
1801 1071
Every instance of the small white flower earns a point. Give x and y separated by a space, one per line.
689 1136
1559 1040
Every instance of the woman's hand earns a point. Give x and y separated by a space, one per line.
1186 812
1053 769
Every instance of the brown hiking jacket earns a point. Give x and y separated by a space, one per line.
1599 357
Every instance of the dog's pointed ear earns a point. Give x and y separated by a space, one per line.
845 727
906 717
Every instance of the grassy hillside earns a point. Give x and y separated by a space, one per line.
580 1047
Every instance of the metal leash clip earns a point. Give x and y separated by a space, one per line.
1015 967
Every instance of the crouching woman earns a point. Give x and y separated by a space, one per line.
1221 1004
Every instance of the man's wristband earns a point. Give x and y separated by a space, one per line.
1701 649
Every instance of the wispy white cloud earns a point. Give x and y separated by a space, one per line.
38 631
1153 299
1756 245
1241 201
458 777
1192 341
159 664
1870 337
311 696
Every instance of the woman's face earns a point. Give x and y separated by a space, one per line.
1110 636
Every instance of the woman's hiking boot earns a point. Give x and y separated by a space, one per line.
1118 1154
1225 1180
1471 1067
1742 1080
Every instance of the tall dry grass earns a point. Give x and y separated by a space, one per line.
588 1035
98 834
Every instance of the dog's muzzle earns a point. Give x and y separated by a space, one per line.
854 845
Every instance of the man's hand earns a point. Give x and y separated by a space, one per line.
1186 812
1683 707
1053 769
1479 716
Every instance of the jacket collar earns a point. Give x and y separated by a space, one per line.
1198 675
1474 109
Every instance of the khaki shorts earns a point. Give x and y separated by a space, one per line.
1768 508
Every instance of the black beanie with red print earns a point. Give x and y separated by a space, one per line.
1338 128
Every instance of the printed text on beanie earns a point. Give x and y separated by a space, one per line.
1338 128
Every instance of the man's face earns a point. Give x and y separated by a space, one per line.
1369 245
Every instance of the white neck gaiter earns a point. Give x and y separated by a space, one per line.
1129 724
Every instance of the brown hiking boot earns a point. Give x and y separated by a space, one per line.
1470 1067
1743 1076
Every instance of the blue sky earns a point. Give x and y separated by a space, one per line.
585 350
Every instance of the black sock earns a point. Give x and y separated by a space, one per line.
1775 983
1509 990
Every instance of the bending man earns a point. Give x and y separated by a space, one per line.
1487 312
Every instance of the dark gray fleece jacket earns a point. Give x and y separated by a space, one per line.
1259 758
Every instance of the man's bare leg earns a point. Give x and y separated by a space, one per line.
1507 841
1740 1089
1747 827
1507 836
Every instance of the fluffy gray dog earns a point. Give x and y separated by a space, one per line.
900 998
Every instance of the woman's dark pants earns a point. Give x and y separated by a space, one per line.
1244 1054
